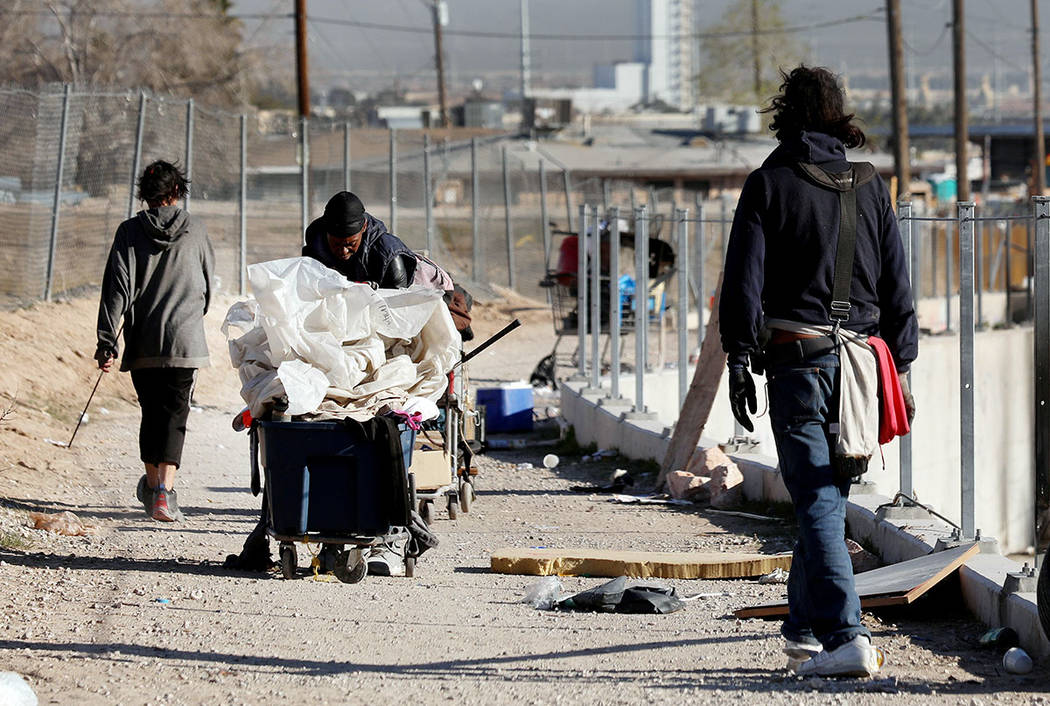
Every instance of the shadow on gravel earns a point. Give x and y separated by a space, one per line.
545 667
132 512
39 560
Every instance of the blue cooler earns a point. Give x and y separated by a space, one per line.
507 408
329 479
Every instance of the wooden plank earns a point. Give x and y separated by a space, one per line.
896 584
696 407
612 563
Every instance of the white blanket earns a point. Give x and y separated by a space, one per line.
337 348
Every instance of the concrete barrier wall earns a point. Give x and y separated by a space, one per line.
1004 475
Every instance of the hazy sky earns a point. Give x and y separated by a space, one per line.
998 34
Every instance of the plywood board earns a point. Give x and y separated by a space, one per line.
897 584
612 563
699 399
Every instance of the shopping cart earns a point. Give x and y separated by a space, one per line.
335 484
561 283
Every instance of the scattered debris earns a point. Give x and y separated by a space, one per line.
559 561
550 461
710 477
777 575
14 690
64 522
657 499
619 481
1017 661
747 515
1000 638
623 596
544 593
63 444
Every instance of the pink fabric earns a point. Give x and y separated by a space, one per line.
414 420
893 416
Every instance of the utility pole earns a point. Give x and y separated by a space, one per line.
962 124
755 57
526 59
901 148
1039 167
440 20
301 66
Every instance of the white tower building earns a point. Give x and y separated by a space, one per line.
668 47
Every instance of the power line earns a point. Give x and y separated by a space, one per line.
991 50
874 15
151 14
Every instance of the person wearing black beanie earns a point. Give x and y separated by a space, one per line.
355 243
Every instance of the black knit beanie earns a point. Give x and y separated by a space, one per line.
344 215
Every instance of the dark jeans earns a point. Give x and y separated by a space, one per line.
822 599
164 397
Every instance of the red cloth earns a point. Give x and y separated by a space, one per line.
893 416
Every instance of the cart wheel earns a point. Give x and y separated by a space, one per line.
351 566
426 511
466 496
410 566
453 506
289 560
473 480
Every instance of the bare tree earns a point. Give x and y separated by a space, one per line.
180 47
744 66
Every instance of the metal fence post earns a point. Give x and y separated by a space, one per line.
346 156
136 161
596 298
701 293
978 281
1041 360
475 185
393 181
907 239
566 180
682 216
189 152
641 304
242 250
949 265
428 197
723 220
966 362
581 295
506 220
545 218
304 177
57 203
614 302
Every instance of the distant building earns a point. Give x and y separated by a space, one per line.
667 46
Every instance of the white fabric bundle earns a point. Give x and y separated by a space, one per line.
337 348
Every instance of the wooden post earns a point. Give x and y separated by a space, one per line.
698 401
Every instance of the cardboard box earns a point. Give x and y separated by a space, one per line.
431 467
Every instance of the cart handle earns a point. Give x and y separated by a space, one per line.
495 337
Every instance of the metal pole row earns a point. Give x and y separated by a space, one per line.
136 161
57 203
908 240
581 295
595 317
242 250
506 220
304 176
682 215
189 152
393 181
641 304
1041 360
428 198
614 302
475 185
966 365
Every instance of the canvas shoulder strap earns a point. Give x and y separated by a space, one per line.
845 183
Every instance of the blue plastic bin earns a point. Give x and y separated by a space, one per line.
328 479
506 408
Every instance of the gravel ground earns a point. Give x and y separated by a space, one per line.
143 613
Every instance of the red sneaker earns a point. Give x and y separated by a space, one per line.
165 506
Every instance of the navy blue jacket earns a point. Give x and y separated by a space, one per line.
371 262
780 261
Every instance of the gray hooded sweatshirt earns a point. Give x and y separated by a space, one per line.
158 278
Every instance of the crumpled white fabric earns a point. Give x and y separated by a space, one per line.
334 347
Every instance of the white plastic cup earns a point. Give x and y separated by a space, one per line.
1017 661
550 461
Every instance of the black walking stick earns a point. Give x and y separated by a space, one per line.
91 396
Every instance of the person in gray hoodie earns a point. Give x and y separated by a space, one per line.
158 280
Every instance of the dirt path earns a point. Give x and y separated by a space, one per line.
143 612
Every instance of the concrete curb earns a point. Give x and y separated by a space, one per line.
982 578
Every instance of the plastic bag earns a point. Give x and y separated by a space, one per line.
544 594
61 523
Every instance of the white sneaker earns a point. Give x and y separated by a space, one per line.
856 658
799 652
387 559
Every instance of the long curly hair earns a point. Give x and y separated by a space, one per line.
811 99
162 181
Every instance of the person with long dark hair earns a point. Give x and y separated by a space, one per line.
158 280
814 272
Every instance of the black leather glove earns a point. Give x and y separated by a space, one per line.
397 275
742 395
104 353
909 401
